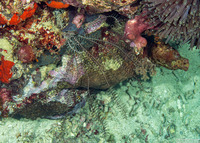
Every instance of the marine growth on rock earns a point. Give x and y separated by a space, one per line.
59 50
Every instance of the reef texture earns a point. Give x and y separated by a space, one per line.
12 14
52 49
168 57
5 70
176 19
133 30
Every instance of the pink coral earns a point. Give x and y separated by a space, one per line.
133 29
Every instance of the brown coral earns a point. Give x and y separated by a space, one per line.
165 55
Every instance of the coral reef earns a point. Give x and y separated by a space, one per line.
5 98
39 32
52 57
128 10
6 49
99 6
84 63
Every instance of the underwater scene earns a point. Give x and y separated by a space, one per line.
100 71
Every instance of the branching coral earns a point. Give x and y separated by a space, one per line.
175 19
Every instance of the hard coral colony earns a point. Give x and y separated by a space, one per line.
81 47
